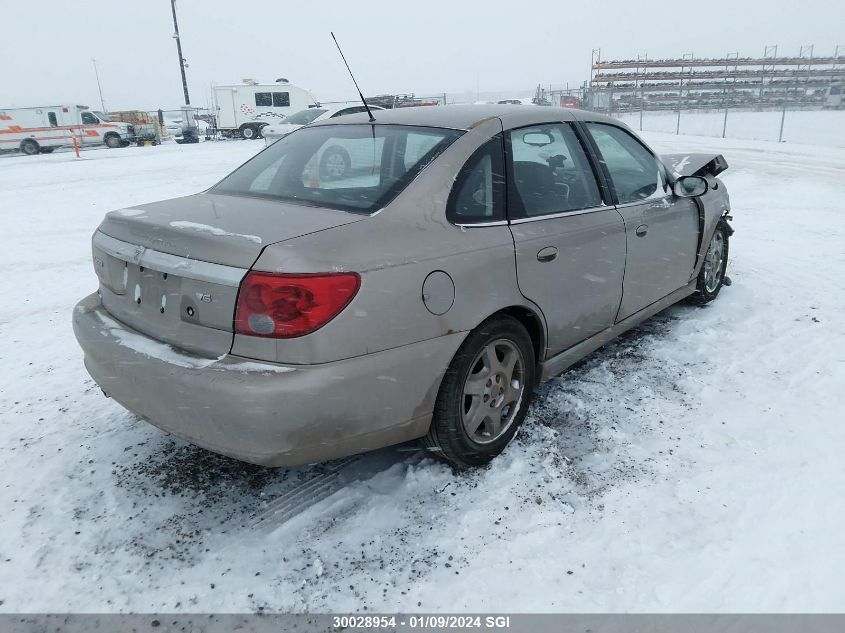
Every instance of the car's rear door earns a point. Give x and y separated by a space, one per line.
570 244
661 229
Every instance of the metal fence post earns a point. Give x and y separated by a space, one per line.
642 100
678 122
782 117
725 122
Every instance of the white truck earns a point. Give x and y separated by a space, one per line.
833 98
243 110
42 129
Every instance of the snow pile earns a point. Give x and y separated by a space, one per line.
204 228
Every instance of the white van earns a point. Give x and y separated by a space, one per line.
44 128
243 110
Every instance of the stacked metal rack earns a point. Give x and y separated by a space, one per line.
771 81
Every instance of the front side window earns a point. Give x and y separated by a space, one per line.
549 171
263 99
281 99
635 173
89 119
479 191
358 168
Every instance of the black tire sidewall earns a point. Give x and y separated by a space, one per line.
30 143
111 138
447 434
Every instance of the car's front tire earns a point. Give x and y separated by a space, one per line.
711 277
484 394
113 141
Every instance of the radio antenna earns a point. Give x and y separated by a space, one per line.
364 101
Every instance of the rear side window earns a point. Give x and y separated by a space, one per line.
356 168
479 191
281 99
549 172
263 99
635 173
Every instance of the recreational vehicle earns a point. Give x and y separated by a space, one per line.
243 110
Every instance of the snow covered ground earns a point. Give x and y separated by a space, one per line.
811 127
694 465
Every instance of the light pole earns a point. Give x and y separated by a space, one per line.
99 87
179 51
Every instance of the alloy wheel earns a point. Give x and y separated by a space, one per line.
493 391
714 262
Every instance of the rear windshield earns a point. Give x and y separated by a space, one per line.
358 168
304 117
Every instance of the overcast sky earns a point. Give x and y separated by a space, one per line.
426 47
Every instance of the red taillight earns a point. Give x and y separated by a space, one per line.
280 305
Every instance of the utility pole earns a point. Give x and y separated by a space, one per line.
99 87
179 51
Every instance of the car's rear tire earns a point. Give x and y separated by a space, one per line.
484 394
711 277
334 163
30 147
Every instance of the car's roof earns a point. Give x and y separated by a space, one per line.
464 117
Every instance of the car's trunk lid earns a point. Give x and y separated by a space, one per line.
171 269
228 230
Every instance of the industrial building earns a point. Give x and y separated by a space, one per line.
770 81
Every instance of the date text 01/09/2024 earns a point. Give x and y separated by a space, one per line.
422 622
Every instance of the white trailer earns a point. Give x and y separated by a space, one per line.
243 110
42 129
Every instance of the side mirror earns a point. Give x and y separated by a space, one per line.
690 186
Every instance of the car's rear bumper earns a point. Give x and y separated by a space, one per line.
261 412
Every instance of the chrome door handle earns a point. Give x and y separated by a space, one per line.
642 229
546 254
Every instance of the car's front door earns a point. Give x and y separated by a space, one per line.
662 230
570 245
88 132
